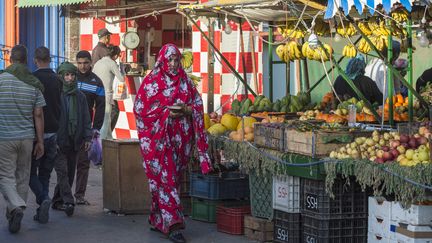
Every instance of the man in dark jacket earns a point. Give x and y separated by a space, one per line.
101 48
41 169
74 134
91 85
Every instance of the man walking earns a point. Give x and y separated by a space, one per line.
101 48
21 120
106 69
41 168
91 85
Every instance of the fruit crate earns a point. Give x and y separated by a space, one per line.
286 193
351 229
205 210
185 182
186 203
258 229
230 220
269 135
261 195
317 143
349 199
287 227
230 185
315 172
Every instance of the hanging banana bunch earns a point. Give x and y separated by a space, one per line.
377 27
289 31
321 28
346 29
400 15
380 42
317 53
364 46
194 78
187 59
365 28
289 51
398 31
349 51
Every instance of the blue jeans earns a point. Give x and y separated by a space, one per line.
41 169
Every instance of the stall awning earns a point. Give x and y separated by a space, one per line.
43 3
334 5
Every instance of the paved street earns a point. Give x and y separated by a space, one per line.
91 225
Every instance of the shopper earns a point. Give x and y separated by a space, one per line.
92 87
107 69
101 48
21 121
41 168
166 137
424 79
74 134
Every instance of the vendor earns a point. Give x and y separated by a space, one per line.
355 71
424 79
401 66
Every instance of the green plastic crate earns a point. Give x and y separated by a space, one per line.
205 210
316 172
261 198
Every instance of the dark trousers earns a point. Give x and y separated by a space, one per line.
82 173
115 112
41 169
65 168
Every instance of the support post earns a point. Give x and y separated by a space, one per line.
221 56
390 82
288 78
270 62
305 82
210 69
410 70
243 56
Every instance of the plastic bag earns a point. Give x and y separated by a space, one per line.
119 90
95 151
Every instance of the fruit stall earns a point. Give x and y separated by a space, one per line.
335 169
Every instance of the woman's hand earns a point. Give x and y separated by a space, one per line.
184 111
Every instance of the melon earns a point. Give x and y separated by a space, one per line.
229 121
248 122
217 129
206 121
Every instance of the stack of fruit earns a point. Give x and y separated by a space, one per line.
245 130
400 108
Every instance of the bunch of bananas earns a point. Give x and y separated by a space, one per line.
289 31
378 28
346 29
365 28
187 59
317 52
400 15
380 42
194 78
349 51
398 31
289 51
364 46
321 28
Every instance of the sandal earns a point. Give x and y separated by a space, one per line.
81 201
176 237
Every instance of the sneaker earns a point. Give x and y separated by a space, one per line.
43 211
15 220
176 237
58 206
69 209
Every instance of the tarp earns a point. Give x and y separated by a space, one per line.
42 3
334 5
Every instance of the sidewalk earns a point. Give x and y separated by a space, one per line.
90 224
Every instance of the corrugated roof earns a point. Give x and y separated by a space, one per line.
42 3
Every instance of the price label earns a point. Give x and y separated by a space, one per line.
310 239
311 202
281 234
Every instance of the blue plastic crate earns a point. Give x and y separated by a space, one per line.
230 185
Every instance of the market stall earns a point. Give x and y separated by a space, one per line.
338 169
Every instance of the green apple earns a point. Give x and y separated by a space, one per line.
409 154
416 157
422 148
401 149
423 156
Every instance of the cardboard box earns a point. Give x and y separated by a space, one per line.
380 207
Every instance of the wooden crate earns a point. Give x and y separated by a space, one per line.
319 143
269 135
258 229
125 184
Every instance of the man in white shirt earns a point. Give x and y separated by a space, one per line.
377 70
106 69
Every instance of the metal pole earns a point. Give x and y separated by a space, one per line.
410 70
389 66
288 78
305 82
243 55
390 89
221 56
210 71
270 53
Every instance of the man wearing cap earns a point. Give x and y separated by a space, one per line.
101 49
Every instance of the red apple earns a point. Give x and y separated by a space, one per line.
387 156
394 153
412 143
404 138
213 115
422 140
385 148
395 143
379 160
405 145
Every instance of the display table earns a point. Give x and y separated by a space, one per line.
125 185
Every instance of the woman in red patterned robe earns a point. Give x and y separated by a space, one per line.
167 135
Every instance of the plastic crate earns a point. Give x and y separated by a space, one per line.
230 220
186 203
286 193
287 227
352 229
261 195
315 172
349 199
231 185
205 210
